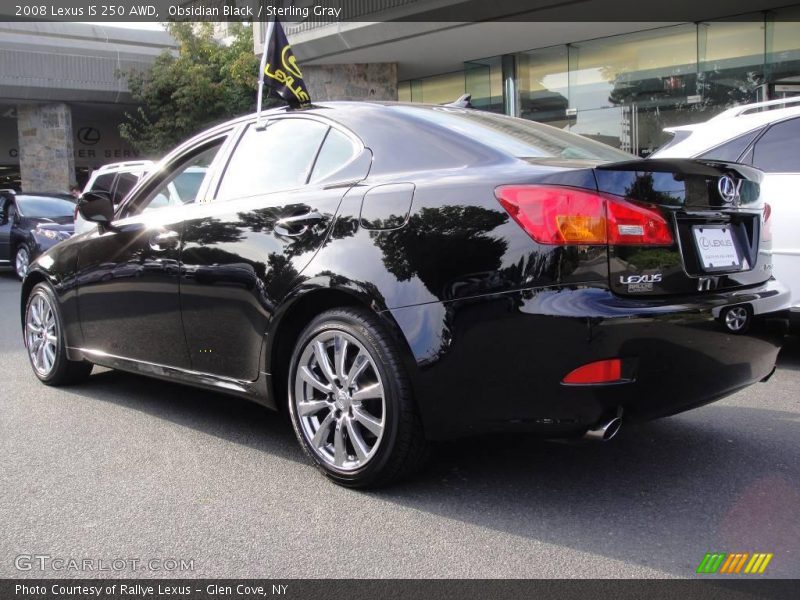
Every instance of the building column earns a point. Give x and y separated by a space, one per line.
373 81
510 90
46 158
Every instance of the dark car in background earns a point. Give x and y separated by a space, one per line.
30 224
389 274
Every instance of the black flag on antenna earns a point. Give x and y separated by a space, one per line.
279 69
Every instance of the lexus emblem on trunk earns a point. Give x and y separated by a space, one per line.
729 189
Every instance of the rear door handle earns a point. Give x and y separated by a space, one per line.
165 240
298 225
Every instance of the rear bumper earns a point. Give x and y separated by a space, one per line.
495 363
773 297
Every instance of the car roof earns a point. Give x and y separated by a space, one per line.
359 117
343 111
722 128
326 109
376 124
132 165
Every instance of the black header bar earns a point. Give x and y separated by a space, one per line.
340 11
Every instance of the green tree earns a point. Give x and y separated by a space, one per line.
205 82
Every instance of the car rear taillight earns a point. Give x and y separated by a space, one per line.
601 371
766 227
567 216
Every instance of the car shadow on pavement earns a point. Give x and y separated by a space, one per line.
227 417
661 494
721 478
789 358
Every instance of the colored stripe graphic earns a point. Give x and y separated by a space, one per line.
742 561
711 563
758 563
732 559
734 563
721 562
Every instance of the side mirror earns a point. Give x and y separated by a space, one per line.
96 207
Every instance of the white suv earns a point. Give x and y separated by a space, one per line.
117 179
765 135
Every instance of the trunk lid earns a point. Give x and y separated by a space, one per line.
716 216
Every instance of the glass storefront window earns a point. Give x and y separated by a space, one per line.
624 90
782 70
543 81
653 67
484 82
731 56
603 125
404 91
438 89
627 88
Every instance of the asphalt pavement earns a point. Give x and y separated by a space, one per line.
131 469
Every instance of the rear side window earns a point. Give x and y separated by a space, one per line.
778 150
336 152
103 183
125 183
732 149
272 159
43 207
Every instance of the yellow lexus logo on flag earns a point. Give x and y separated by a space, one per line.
281 68
734 563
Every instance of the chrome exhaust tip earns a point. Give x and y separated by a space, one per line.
605 430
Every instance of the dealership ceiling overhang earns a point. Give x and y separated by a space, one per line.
72 62
427 47
422 49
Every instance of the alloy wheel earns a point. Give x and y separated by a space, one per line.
41 334
736 318
339 400
22 262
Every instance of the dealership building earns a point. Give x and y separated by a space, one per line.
618 82
61 99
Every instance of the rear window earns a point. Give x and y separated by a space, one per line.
517 137
103 183
125 183
39 206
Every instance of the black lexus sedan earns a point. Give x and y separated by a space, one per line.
390 274
30 224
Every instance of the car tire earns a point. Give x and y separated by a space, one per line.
350 401
45 341
22 260
736 319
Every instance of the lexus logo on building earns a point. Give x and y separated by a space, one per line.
729 189
88 136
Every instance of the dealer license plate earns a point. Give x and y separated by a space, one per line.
717 248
